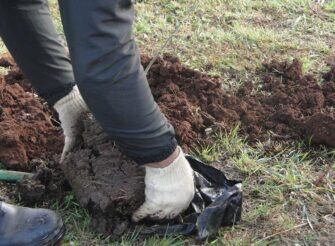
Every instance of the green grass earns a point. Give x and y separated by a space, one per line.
80 233
236 35
279 190
283 202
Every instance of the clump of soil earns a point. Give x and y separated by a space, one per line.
26 130
47 183
6 60
105 182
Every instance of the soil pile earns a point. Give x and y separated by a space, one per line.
26 130
192 101
289 104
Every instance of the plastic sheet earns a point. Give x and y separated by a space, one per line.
217 203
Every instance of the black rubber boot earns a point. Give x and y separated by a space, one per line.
20 226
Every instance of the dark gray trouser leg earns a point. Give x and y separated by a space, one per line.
110 77
27 30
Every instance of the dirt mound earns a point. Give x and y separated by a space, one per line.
192 101
295 105
105 182
26 130
287 103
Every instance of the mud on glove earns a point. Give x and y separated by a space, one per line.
168 191
69 109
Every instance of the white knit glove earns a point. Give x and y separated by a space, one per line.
69 109
168 191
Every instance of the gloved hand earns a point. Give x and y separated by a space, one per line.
69 109
168 191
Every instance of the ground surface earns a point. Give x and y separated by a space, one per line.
288 185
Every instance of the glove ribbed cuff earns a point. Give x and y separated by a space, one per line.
175 171
71 101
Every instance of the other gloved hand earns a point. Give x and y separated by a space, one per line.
69 109
168 191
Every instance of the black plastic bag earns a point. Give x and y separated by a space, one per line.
217 203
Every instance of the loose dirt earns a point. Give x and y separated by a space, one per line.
287 103
26 129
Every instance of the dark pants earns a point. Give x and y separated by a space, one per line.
106 67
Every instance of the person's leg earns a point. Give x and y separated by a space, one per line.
111 79
28 32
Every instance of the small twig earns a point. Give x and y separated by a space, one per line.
304 209
331 188
167 41
282 232
162 48
55 121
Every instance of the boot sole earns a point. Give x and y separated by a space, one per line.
59 237
52 239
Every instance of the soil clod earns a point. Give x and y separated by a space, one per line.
105 182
